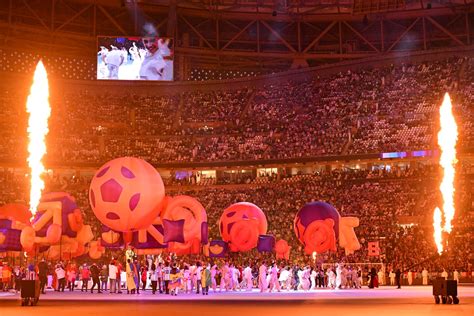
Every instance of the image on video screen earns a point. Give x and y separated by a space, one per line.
135 58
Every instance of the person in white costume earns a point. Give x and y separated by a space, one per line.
114 60
289 279
153 65
381 277
186 279
102 71
227 277
392 277
198 276
410 277
284 276
456 275
359 278
303 276
192 277
331 278
338 276
213 277
274 284
248 278
235 278
349 280
424 275
344 277
314 274
444 274
355 278
262 277
137 60
164 50
224 271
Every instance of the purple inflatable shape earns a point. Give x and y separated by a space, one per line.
151 242
11 241
5 223
215 245
315 211
68 207
266 243
173 230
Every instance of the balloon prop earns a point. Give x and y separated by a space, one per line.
319 236
244 235
318 225
282 249
241 224
126 194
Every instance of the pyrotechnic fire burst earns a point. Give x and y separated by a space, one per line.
438 230
37 105
447 138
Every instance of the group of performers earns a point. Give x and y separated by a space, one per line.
170 278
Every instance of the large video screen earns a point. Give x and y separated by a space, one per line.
135 58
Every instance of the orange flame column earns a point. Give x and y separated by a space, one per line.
37 105
447 139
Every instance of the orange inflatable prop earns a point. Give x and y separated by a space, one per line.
244 235
241 224
320 237
282 249
126 194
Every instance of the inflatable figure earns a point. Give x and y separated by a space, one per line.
58 225
126 194
282 249
318 225
185 224
241 224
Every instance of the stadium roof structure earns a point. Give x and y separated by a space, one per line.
260 35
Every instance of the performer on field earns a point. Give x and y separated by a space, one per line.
274 284
213 277
248 278
262 277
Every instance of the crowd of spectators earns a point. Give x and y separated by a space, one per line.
372 110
